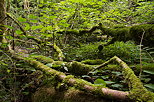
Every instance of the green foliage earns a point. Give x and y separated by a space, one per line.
100 82
17 79
43 18
150 86
93 62
86 51
108 78
144 11
129 52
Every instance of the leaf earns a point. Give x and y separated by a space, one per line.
105 77
85 76
109 82
31 16
66 68
149 72
34 21
151 86
8 71
18 32
100 82
27 26
21 19
10 27
9 37
25 93
31 69
36 27
117 85
104 0
117 73
49 65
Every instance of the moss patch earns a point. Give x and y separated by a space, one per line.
78 68
49 94
93 62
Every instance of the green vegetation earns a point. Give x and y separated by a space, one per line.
69 33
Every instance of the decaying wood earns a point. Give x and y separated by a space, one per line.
77 83
60 53
120 34
137 90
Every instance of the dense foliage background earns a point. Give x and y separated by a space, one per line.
45 19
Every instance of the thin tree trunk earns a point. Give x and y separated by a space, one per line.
2 20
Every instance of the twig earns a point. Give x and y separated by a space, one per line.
141 54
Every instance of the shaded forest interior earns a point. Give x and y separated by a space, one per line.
77 51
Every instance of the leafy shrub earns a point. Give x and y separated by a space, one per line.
86 51
129 52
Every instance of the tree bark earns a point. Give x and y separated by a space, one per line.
2 20
137 91
77 83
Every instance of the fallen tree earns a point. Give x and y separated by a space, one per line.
137 91
120 33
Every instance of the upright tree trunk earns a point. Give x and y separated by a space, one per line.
2 20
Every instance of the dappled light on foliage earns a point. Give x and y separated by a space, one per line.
76 50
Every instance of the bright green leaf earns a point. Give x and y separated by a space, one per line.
18 32
21 19
49 64
149 72
109 82
27 26
36 27
117 85
100 82
7 26
8 71
151 86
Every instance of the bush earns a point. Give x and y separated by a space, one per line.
85 51
128 52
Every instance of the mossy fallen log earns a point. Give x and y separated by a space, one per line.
137 91
76 83
60 53
50 94
134 33
86 66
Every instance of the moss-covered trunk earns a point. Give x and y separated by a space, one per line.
2 20
137 91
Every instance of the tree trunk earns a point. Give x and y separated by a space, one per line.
137 91
2 20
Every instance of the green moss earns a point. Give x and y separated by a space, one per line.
132 33
137 91
60 53
49 94
42 58
78 68
147 66
146 29
93 62
58 62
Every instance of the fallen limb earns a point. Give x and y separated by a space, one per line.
77 83
137 90
48 93
60 53
79 68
